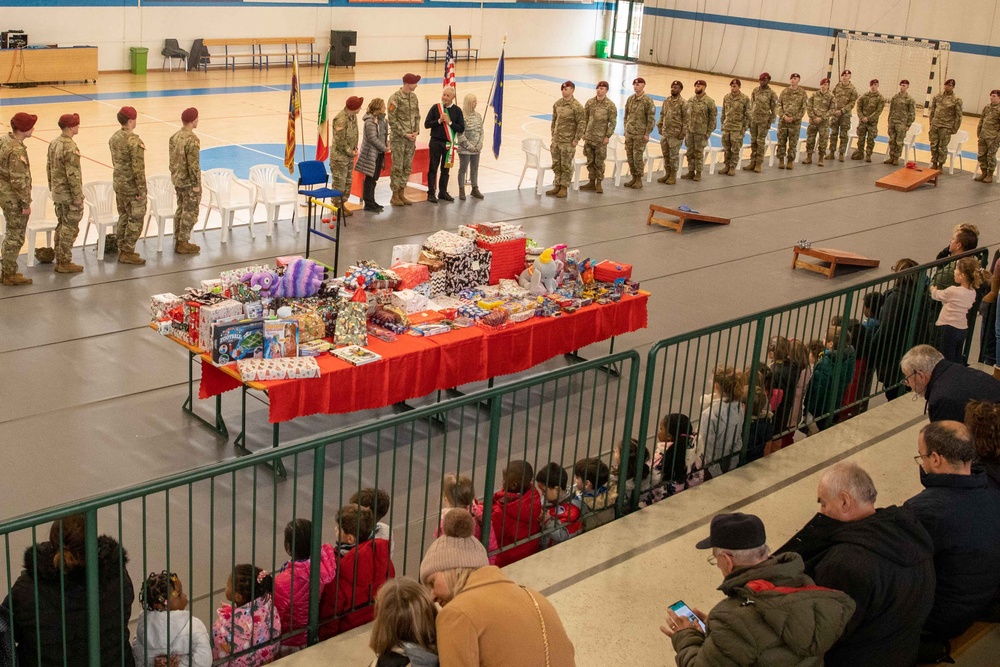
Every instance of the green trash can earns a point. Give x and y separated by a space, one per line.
601 48
138 54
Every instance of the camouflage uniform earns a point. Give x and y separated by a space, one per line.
763 111
567 127
701 123
404 118
870 106
672 127
128 156
846 96
735 121
946 118
791 102
821 105
640 118
185 174
343 144
599 120
902 113
988 132
15 196
66 186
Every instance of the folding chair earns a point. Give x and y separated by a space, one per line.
313 181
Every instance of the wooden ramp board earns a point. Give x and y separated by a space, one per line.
905 179
832 257
682 216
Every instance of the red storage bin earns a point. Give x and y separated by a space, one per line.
508 258
608 271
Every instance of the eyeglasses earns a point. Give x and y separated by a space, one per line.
920 456
712 560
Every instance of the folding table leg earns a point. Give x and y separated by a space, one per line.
220 424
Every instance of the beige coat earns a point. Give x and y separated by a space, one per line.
492 622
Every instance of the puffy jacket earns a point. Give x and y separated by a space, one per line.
773 615
187 639
720 434
349 599
952 386
516 517
821 385
291 592
375 142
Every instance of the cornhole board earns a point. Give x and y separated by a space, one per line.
683 216
832 257
905 179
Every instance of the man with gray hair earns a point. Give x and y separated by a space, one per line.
750 627
945 385
883 558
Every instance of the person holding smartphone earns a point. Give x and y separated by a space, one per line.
750 626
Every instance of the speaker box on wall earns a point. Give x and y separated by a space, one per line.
341 42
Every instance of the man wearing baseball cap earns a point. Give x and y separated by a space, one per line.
128 157
185 174
840 123
763 111
403 114
902 113
15 193
870 107
672 127
819 110
600 116
640 118
66 186
701 123
945 120
762 593
344 149
567 131
988 133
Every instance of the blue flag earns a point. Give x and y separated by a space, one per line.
497 103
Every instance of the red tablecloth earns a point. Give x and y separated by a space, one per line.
421 165
412 367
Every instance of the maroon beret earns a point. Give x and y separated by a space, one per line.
69 120
764 75
701 82
795 75
737 82
354 103
23 122
902 81
638 79
678 83
846 71
995 91
873 82
603 84
949 82
824 80
129 112
567 84
411 78
189 115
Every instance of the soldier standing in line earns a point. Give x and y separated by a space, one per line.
870 107
672 127
819 109
128 157
640 118
185 174
66 186
735 121
763 111
791 107
902 113
945 119
988 133
600 116
404 126
15 193
840 123
567 130
701 123
344 150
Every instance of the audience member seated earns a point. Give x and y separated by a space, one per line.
517 514
761 417
485 618
363 565
983 420
248 626
57 634
165 631
560 515
962 514
883 558
886 345
633 466
377 501
671 471
751 625
403 632
457 493
291 582
720 427
594 497
784 376
945 385
833 372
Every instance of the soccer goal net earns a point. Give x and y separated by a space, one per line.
890 58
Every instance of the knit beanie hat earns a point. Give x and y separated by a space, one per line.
456 548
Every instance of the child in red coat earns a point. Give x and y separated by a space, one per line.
560 516
517 514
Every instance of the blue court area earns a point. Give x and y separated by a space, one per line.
240 157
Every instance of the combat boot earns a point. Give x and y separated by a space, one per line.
591 186
688 176
750 163
561 194
672 177
724 171
185 248
666 177
819 161
476 194
868 157
840 157
789 164
809 159
732 170
856 155
781 163
15 279
130 258
888 160
756 166
638 184
342 205
979 177
831 155
68 267
697 176
631 181
402 197
988 179
895 162
396 199
598 188
553 192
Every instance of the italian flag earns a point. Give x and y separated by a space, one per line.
323 127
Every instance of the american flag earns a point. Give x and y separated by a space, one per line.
449 64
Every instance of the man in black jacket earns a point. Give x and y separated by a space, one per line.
947 386
882 558
962 514
446 122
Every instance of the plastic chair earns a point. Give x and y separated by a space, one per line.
910 141
617 145
37 222
651 163
162 201
102 212
714 153
273 190
852 134
226 194
955 150
535 157
172 49
578 164
313 181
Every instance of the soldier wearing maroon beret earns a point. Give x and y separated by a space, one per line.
128 157
185 174
902 113
945 120
66 186
15 193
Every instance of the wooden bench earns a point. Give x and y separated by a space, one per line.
232 49
433 50
303 47
967 639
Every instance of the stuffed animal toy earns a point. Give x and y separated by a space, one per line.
540 278
587 271
302 277
262 282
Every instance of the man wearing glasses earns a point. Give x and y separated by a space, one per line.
945 385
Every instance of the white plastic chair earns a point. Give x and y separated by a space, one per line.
955 150
852 134
37 222
578 164
654 163
273 190
102 212
715 154
910 141
536 157
228 194
162 201
617 146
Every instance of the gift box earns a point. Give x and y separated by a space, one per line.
160 305
233 340
310 325
445 302
214 285
286 260
411 275
424 288
291 368
508 258
608 271
236 289
214 312
281 339
352 320
467 270
438 283
448 243
405 253
409 301
425 317
472 312
433 261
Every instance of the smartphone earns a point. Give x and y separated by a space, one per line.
684 611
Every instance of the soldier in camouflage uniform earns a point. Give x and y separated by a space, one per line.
672 127
15 193
902 113
988 133
791 107
600 116
185 174
763 111
819 109
946 118
840 122
735 121
567 130
344 150
404 126
66 186
128 157
640 118
701 123
870 107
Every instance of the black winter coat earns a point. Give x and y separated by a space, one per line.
962 515
886 347
952 386
886 564
116 598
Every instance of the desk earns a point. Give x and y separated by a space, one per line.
71 63
421 165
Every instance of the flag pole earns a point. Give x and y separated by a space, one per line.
302 119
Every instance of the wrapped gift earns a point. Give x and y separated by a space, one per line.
423 288
448 243
507 260
289 368
444 302
439 283
311 325
233 340
472 312
214 312
425 317
160 305
608 271
432 260
233 285
467 270
409 301
411 275
352 320
287 259
510 289
214 285
405 253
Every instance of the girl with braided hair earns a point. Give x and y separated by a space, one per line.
166 633
248 627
